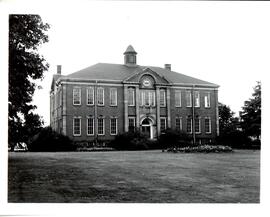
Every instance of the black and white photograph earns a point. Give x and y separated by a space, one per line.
153 107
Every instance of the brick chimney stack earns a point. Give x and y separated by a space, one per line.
59 67
168 66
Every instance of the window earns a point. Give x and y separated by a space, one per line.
162 98
77 126
113 126
147 98
162 124
90 126
197 125
207 100
207 125
113 97
101 126
188 98
178 123
197 98
178 98
189 125
131 97
131 124
100 96
90 96
77 96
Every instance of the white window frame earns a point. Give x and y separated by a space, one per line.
80 95
207 100
210 127
131 91
188 98
165 121
116 128
113 102
152 98
162 94
103 129
180 123
134 123
88 95
191 127
78 118
197 99
98 92
87 125
198 118
179 97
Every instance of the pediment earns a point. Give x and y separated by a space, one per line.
136 78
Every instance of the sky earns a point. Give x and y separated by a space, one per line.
223 43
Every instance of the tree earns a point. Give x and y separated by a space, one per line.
251 114
230 129
26 34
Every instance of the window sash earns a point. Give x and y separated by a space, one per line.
178 98
197 98
113 126
76 126
197 125
90 96
113 97
188 98
178 123
90 126
207 100
100 126
162 124
207 125
100 96
162 98
131 124
131 96
147 98
77 96
189 125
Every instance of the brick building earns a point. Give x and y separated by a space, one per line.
103 100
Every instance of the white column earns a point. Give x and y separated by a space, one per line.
168 107
137 104
64 108
125 108
158 110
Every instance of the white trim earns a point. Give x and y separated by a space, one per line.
80 95
74 126
93 125
92 83
134 121
180 122
195 88
116 128
191 125
164 97
113 89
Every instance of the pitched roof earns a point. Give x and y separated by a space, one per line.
130 49
118 72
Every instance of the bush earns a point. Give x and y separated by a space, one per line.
202 149
132 141
47 140
172 138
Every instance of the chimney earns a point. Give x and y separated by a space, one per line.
167 66
59 69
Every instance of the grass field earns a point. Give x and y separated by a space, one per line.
139 176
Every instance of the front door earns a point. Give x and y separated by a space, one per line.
146 131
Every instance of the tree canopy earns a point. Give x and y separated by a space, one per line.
26 34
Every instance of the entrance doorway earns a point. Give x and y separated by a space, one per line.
147 128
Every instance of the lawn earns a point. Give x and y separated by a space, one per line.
138 176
